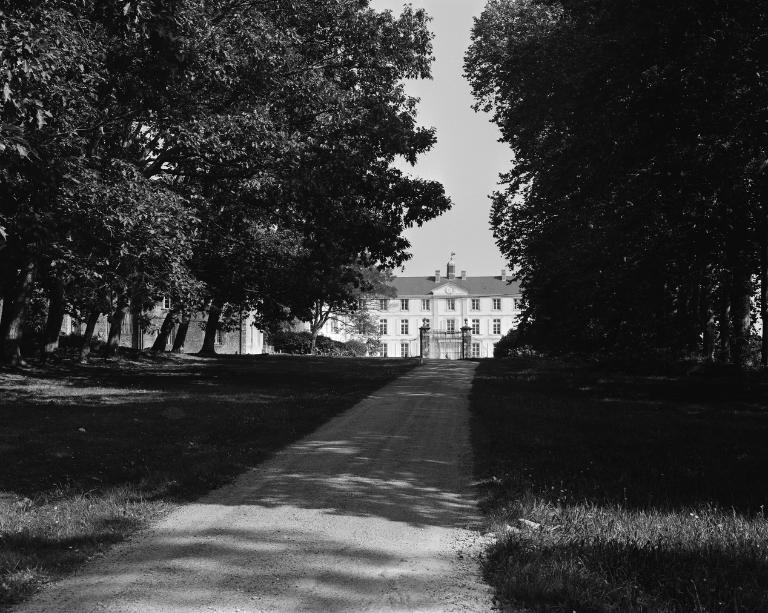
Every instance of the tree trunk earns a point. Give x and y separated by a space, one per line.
313 343
710 330
211 327
161 342
53 322
319 319
90 326
741 319
181 333
115 328
14 309
764 295
724 324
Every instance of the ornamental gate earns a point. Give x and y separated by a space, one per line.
445 345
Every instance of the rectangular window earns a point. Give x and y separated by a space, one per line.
383 327
383 304
450 325
451 304
475 326
166 302
404 350
403 326
475 304
425 305
404 304
497 304
335 327
496 326
475 350
384 352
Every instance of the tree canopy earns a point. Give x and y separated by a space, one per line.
634 212
204 150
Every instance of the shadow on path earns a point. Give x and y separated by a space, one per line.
367 513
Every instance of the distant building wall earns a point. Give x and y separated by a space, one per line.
247 340
490 306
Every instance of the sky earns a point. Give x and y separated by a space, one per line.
467 158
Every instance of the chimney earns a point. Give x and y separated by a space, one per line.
437 276
451 270
463 275
504 274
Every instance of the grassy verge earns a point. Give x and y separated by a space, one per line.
88 454
622 493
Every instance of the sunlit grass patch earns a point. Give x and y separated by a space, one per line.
89 454
45 537
636 504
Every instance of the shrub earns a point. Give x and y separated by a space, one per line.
356 348
506 344
288 341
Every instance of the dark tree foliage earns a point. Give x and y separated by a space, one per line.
635 209
235 142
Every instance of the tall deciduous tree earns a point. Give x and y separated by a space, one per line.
636 128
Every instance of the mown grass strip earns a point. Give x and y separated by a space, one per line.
610 492
89 454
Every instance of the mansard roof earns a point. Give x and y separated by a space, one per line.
473 286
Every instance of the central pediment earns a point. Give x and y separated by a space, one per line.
449 289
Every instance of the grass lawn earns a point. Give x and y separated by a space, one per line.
89 454
610 492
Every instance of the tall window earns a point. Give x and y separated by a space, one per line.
383 327
497 304
475 326
450 325
219 337
425 304
403 326
496 326
404 350
475 350
404 304
451 304
383 304
475 304
166 302
384 352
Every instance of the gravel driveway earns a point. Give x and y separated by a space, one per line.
372 512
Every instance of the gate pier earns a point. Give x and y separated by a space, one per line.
444 344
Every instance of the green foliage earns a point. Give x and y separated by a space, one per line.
357 349
288 341
507 344
633 212
210 152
